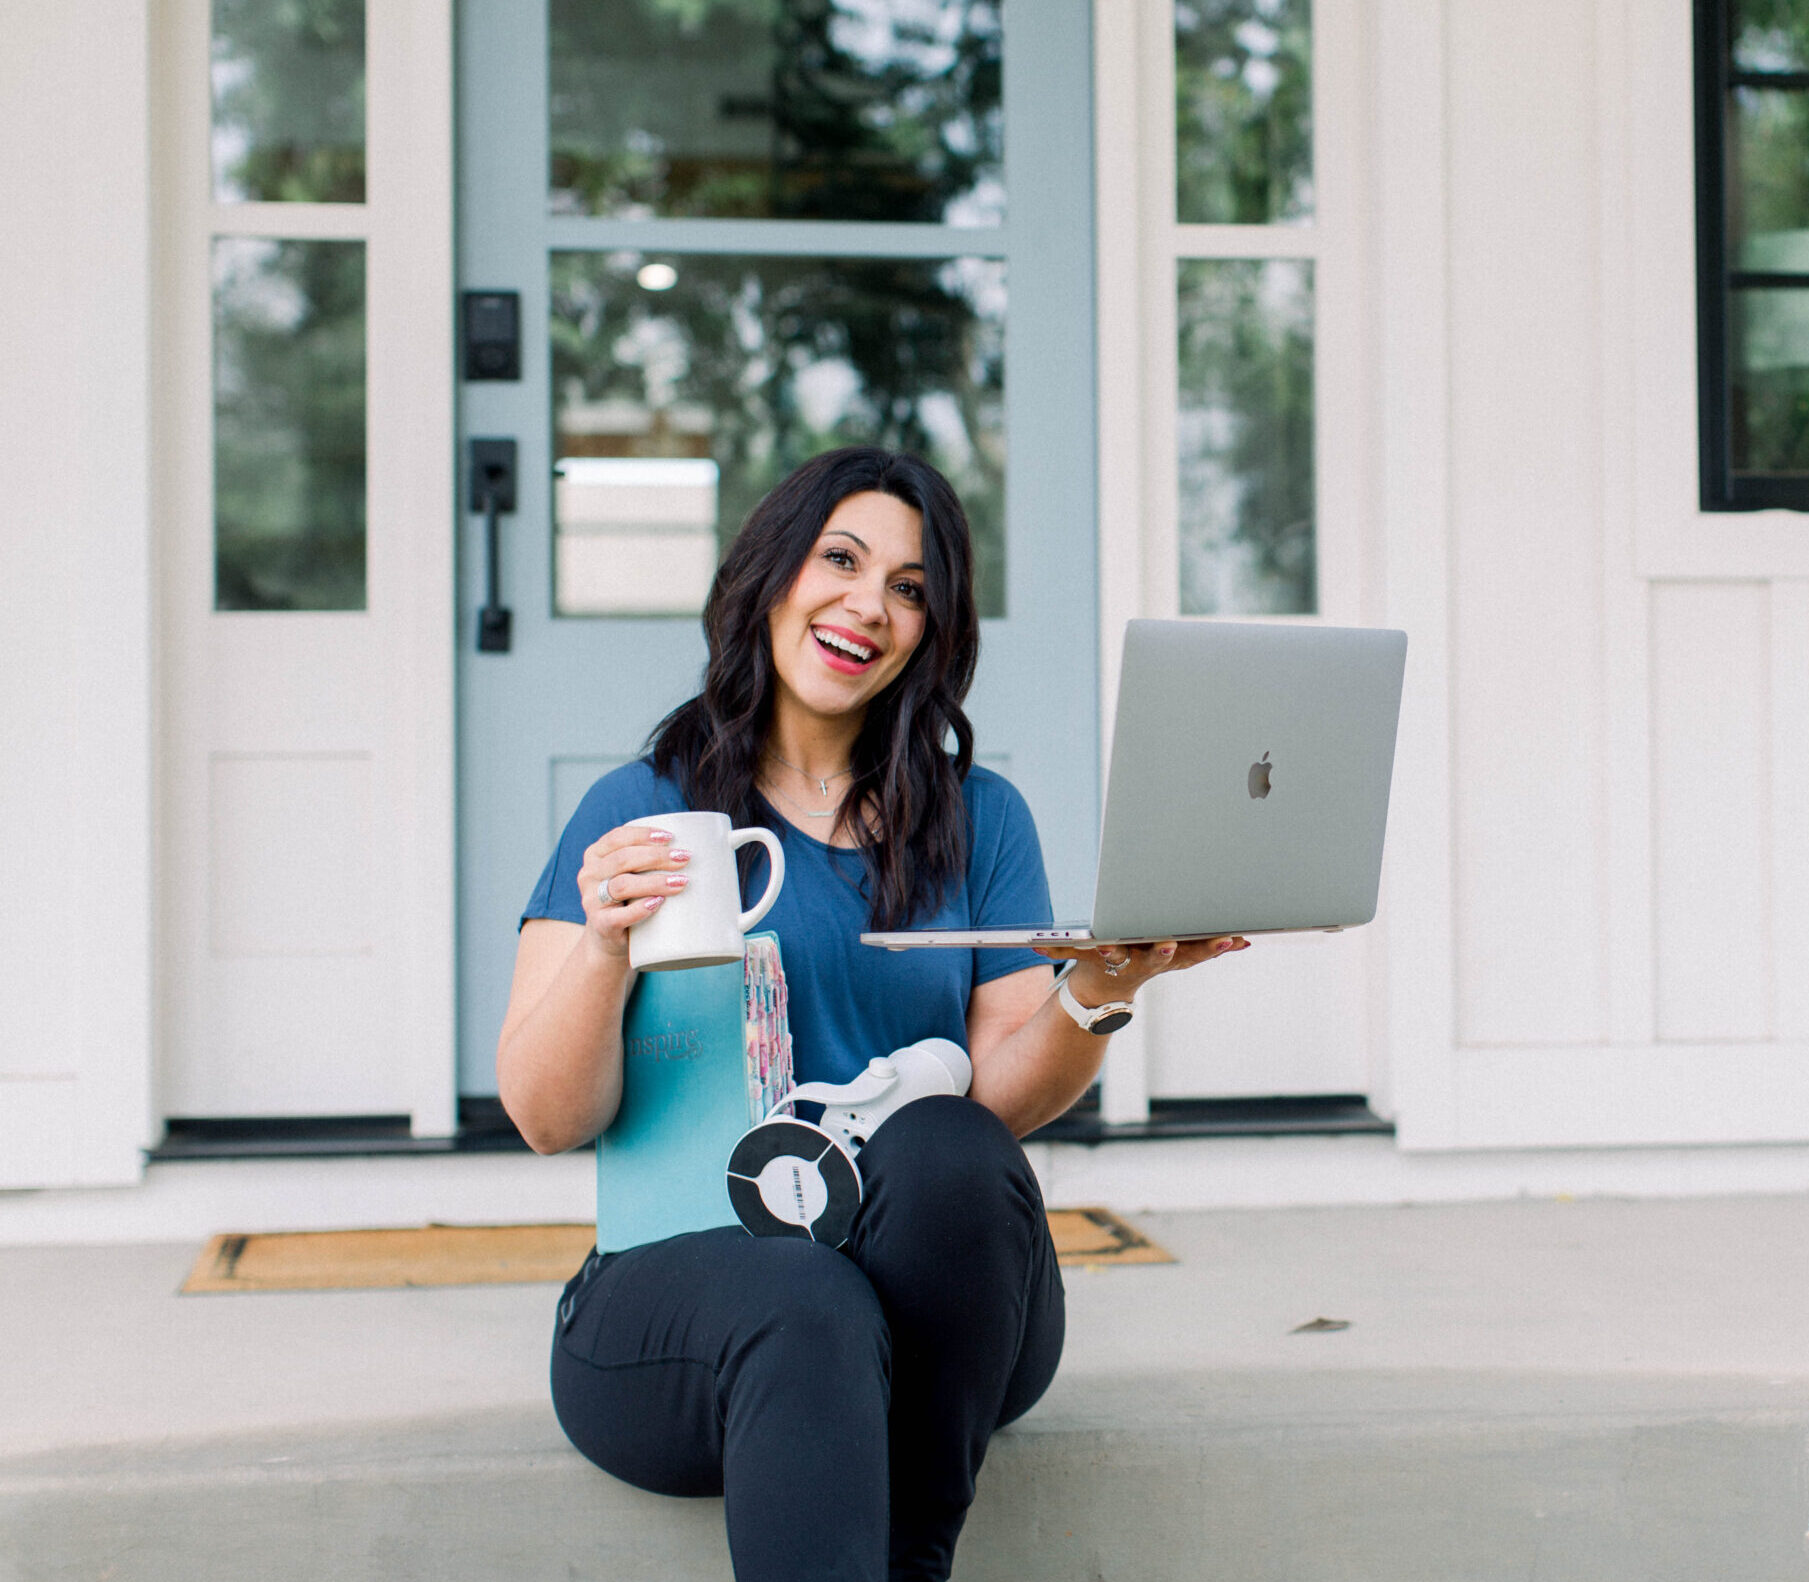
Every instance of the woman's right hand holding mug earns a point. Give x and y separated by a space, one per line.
625 877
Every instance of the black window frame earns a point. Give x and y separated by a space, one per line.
1721 488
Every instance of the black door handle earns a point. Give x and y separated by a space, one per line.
492 493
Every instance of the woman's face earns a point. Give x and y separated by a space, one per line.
855 614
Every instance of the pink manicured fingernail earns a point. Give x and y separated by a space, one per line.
677 855
652 901
661 835
676 881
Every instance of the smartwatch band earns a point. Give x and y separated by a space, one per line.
1097 1019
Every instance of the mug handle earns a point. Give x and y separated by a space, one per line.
775 854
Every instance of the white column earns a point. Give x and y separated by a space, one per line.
76 839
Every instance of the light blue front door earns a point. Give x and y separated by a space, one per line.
742 234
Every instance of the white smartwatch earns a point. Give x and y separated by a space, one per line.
1107 1018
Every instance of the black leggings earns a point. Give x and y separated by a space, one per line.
840 1402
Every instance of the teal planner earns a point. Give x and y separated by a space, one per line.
686 1100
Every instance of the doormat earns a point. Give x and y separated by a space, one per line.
1098 1236
370 1260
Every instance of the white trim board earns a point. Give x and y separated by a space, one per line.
1415 1014
1631 1095
49 1135
1309 1172
190 1201
1117 196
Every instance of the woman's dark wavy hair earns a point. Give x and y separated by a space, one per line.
903 775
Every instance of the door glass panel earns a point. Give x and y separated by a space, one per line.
289 444
1244 432
740 369
288 101
786 109
1769 354
1243 111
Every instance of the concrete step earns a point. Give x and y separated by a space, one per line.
1347 1476
1601 1391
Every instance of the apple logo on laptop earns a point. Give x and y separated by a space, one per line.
1259 778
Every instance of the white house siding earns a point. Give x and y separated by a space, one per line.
76 791
1528 687
1629 916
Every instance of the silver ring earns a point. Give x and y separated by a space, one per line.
603 894
1113 968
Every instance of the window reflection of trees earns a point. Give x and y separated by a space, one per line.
759 364
1767 220
1245 437
782 109
288 101
289 425
1243 111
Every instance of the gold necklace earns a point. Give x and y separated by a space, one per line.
822 784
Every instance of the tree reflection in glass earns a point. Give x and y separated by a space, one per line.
1768 233
1243 111
1771 35
780 109
288 101
289 431
1244 433
1769 405
759 363
1768 201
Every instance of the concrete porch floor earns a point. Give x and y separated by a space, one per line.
1599 1390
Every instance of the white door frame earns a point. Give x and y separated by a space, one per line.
1333 984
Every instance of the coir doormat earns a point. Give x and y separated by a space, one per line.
348 1260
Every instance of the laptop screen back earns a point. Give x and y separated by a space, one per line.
1249 777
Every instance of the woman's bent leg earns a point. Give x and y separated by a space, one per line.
954 1238
754 1368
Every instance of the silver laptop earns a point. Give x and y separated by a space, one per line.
1248 789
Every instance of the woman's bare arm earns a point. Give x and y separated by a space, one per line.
559 1056
1024 1073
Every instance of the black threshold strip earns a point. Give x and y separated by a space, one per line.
1305 1115
484 1127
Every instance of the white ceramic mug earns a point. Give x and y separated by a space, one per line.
702 925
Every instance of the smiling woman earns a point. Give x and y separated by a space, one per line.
858 551
848 626
842 639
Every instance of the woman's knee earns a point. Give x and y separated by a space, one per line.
949 1149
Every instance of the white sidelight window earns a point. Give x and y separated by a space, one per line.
1234 431
305 523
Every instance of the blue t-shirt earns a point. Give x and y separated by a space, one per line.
849 1001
